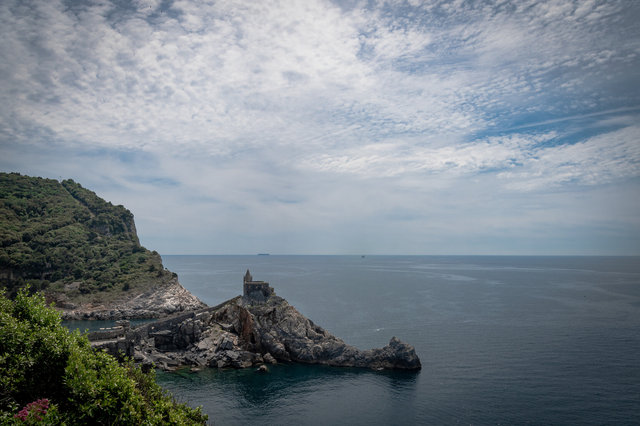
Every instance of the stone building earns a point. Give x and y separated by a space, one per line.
256 290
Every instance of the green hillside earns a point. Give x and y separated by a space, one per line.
62 237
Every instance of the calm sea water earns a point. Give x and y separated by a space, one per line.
503 340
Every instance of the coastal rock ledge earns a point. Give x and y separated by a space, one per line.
157 302
243 333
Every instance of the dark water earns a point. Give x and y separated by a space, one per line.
503 340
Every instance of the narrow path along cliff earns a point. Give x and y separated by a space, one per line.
250 330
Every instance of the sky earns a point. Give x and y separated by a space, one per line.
336 127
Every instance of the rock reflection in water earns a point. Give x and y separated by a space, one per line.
328 394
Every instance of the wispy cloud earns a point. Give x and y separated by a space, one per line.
598 160
523 161
292 113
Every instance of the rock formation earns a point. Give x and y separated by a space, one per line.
242 333
156 302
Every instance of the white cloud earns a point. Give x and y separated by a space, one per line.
233 72
522 162
461 159
299 113
598 160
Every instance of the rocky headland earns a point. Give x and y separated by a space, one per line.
243 332
81 251
84 254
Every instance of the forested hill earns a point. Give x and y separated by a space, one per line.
62 237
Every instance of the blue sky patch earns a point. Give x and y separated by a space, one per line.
323 127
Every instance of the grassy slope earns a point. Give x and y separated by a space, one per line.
62 237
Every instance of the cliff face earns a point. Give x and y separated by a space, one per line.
82 251
242 334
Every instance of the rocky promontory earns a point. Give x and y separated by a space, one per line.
84 254
243 333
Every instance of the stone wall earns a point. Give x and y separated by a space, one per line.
257 290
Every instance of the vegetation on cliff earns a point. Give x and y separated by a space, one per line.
53 376
63 238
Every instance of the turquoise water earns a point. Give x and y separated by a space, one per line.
503 340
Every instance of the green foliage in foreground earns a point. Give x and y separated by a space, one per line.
53 234
66 381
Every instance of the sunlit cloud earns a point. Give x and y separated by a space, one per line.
303 117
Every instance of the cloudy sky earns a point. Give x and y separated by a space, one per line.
346 127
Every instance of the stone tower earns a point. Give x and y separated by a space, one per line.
258 291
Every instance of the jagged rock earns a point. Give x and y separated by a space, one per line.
269 359
241 334
225 344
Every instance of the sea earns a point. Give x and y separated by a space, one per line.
503 340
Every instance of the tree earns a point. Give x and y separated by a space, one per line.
51 375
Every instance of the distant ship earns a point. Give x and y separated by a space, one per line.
263 254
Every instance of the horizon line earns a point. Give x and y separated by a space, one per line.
406 255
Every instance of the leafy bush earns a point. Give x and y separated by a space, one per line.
52 376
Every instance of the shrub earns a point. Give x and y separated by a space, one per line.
53 376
